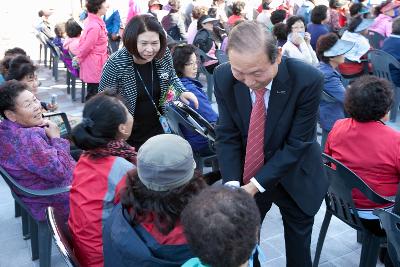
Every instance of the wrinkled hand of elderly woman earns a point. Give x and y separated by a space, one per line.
187 97
51 129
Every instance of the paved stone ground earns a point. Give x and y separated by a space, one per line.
340 248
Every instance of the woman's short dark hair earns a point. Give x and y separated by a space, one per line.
278 16
237 7
98 128
212 221
377 9
354 23
15 51
20 67
93 6
368 98
138 25
9 91
180 56
166 206
72 28
292 20
318 14
355 9
280 31
324 43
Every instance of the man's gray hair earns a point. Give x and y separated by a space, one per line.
396 26
250 36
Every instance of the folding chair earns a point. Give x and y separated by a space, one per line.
61 236
339 202
381 65
42 45
180 115
39 230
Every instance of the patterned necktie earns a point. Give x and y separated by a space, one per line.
255 139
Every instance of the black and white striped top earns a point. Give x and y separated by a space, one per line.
119 74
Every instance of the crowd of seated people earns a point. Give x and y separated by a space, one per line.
122 199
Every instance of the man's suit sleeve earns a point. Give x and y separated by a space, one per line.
228 140
300 138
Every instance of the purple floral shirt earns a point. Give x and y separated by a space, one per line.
37 162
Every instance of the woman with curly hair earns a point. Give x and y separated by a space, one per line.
145 229
366 145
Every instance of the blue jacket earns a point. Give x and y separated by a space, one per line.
392 46
113 22
124 245
329 113
205 110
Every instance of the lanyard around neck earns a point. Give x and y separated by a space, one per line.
145 87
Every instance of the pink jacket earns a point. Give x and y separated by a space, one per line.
382 25
92 49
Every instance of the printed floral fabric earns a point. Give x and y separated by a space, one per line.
37 162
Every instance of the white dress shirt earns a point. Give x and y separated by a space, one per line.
253 100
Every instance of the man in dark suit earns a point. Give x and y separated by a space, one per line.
287 170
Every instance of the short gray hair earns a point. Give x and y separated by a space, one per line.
250 36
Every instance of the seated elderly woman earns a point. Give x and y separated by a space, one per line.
298 41
356 57
146 230
209 221
185 64
32 151
100 172
366 145
21 68
331 50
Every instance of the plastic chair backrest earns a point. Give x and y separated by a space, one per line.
339 199
375 39
381 62
62 236
210 81
391 224
15 186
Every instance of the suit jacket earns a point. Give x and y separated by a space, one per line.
292 154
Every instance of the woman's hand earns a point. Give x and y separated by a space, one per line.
307 37
51 129
51 107
187 97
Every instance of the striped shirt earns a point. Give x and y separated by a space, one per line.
119 74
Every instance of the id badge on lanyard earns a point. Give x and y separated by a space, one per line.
164 124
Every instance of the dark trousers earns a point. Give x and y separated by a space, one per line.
297 225
92 89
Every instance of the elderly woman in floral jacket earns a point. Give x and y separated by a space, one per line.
143 74
32 151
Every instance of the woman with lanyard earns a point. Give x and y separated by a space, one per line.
142 72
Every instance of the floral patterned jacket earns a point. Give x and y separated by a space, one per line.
37 162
